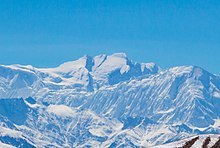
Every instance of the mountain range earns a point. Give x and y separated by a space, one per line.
106 101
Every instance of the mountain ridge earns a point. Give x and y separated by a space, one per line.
135 104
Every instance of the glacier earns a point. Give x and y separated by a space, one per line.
106 101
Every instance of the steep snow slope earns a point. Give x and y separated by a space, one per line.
3 145
198 144
13 138
62 126
55 126
187 95
83 75
107 101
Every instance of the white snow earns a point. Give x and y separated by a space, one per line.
60 110
197 144
166 111
216 94
72 65
217 123
25 81
168 97
111 63
3 145
181 70
97 132
9 132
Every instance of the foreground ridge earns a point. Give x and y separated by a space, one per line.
201 141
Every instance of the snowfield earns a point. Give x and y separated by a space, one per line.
107 101
198 144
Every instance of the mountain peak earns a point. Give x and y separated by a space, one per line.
191 70
85 57
85 61
116 59
93 90
120 54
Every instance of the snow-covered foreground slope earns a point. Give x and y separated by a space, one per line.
106 101
63 126
199 143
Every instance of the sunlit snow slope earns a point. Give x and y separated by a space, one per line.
106 101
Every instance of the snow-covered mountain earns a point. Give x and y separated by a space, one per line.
106 101
83 75
201 141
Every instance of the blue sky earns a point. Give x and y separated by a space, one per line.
46 33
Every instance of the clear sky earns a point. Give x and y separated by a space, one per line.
45 33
